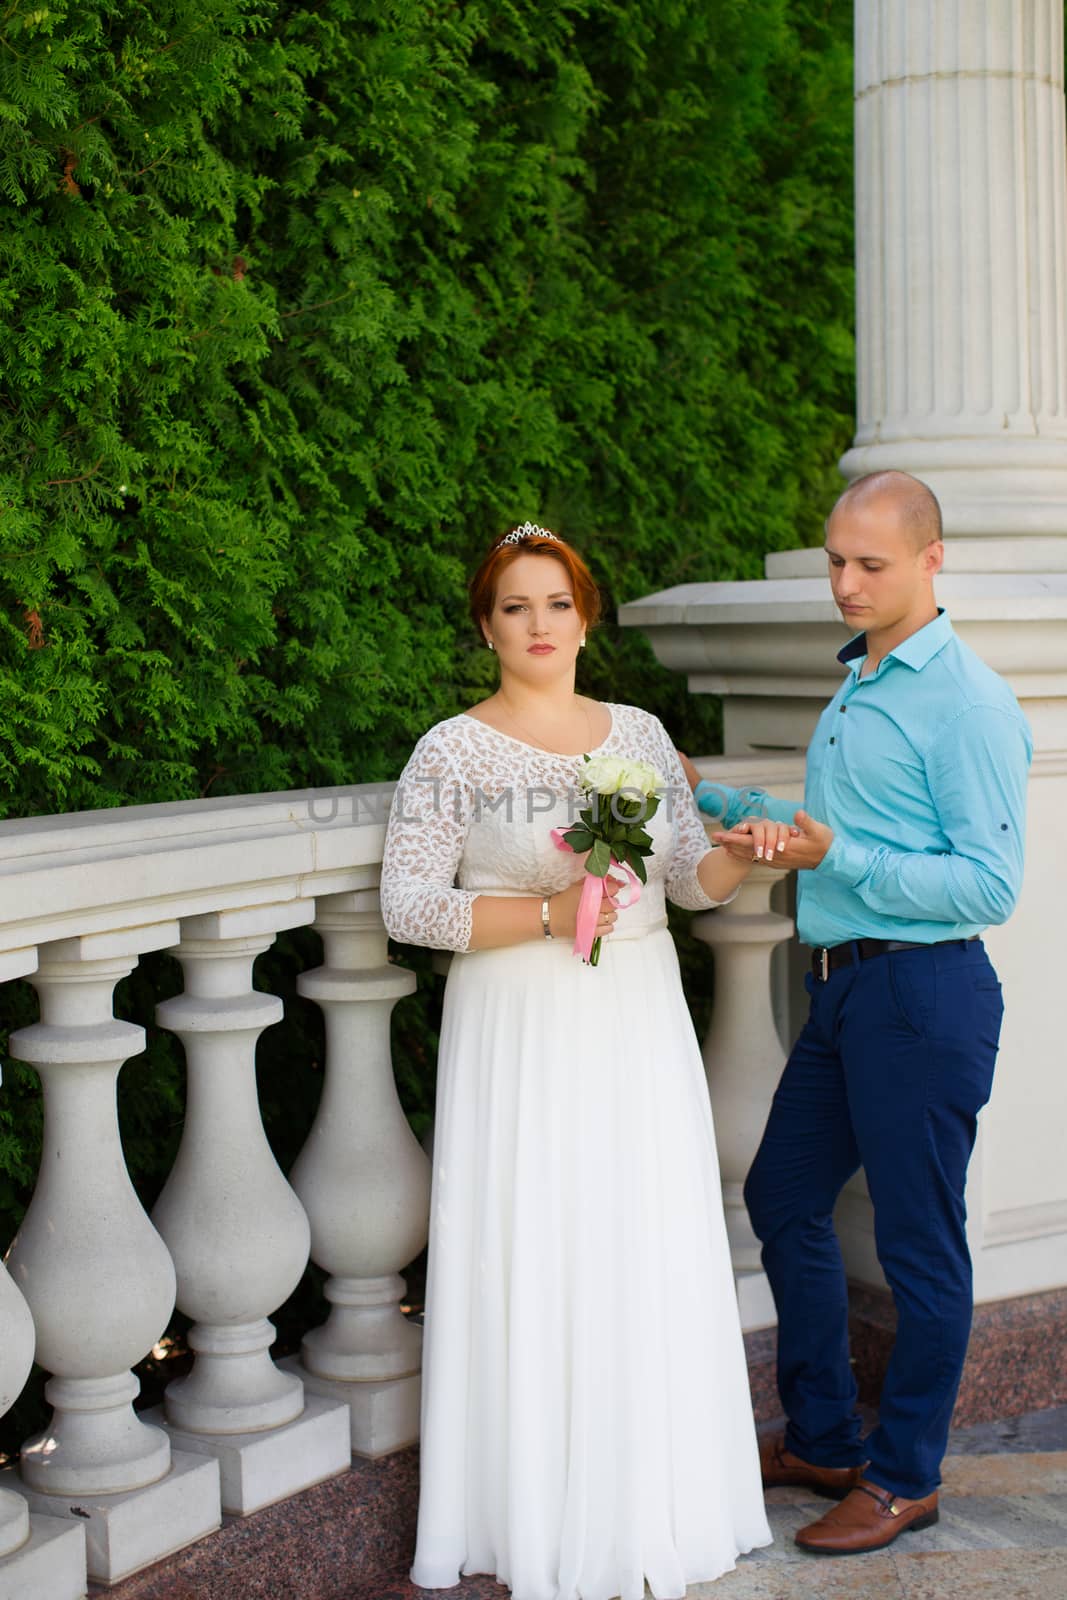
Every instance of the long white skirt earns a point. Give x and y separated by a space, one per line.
586 1413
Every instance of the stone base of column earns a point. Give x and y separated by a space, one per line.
755 1301
50 1561
127 1531
383 1416
256 1469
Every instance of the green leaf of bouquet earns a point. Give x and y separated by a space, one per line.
638 864
638 837
579 839
599 859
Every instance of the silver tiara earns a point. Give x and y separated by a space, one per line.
529 530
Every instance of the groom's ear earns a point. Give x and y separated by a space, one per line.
933 558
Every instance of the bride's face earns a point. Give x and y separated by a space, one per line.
535 626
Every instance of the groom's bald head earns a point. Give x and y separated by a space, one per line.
906 501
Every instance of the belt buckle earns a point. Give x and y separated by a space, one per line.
823 956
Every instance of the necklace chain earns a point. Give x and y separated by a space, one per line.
540 742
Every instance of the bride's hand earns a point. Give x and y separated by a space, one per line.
757 839
563 909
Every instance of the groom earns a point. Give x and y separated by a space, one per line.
917 776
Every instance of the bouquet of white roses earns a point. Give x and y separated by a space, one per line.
621 797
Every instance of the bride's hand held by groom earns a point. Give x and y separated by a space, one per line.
756 841
800 848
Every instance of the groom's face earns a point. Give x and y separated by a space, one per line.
880 577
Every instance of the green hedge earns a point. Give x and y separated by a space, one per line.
300 305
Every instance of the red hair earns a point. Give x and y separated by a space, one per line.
483 586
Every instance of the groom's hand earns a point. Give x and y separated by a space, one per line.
800 847
810 843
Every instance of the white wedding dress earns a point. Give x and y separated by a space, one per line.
586 1414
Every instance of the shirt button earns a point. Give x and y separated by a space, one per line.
833 741
842 708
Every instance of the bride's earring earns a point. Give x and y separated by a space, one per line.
581 644
490 643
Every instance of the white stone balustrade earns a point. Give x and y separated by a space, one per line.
215 881
90 893
365 1182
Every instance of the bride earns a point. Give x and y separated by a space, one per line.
586 1415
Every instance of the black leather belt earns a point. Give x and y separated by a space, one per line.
825 960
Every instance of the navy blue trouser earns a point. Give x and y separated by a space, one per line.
890 1071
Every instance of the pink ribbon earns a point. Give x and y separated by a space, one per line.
592 894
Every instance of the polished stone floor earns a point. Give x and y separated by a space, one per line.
1002 1536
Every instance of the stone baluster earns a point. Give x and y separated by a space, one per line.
97 1276
236 1230
17 1336
743 1059
38 1555
16 1359
365 1183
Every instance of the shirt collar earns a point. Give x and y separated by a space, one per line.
915 651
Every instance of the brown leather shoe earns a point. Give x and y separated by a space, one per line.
781 1469
867 1519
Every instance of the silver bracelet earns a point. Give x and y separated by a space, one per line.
544 918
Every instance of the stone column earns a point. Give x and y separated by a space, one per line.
743 1059
97 1276
961 250
236 1230
365 1183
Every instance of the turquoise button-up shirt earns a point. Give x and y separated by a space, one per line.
920 770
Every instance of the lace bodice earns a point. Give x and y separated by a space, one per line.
473 814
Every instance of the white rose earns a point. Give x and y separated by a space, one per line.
609 774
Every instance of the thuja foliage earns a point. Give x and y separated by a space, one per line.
299 305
